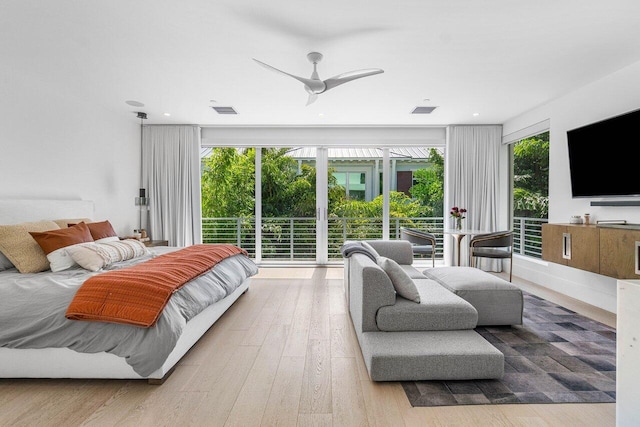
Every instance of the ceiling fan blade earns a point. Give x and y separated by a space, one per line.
306 82
312 98
351 75
312 95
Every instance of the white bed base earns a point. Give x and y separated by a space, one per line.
67 363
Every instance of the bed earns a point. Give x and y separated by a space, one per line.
37 341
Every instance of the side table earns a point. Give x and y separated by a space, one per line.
151 243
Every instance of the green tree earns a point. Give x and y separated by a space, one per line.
400 206
228 187
228 183
429 187
279 182
531 177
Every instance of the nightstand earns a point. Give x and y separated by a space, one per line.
151 243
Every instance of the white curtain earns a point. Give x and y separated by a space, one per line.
472 176
171 175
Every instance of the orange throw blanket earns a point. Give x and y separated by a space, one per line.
137 295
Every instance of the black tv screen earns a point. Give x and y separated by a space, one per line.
602 157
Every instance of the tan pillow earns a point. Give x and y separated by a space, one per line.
402 282
21 249
55 242
66 222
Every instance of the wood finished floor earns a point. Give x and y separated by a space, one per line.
284 354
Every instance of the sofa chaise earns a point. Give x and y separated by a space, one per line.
433 339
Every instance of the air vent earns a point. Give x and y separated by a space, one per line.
423 110
225 110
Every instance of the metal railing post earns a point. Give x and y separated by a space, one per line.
238 232
521 223
344 229
291 238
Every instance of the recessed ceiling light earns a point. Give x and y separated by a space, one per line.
134 103
476 114
166 114
321 114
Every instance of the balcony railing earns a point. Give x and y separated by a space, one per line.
294 239
527 236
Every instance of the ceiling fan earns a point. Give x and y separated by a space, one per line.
314 86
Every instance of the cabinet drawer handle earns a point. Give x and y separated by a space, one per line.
637 257
566 245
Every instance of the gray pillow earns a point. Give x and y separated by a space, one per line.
401 281
370 249
5 264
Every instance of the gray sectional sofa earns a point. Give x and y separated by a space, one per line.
434 339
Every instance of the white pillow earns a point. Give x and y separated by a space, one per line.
108 239
89 256
60 259
401 281
94 256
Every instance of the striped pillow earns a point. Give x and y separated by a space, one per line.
94 256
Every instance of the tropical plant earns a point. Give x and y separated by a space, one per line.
531 177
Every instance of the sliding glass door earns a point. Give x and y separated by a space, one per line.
300 204
228 197
288 206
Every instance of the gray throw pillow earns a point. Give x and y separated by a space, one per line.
401 281
370 249
5 264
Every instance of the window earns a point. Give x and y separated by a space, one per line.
302 203
354 184
530 192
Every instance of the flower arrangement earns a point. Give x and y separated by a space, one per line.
458 214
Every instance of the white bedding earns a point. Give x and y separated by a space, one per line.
32 308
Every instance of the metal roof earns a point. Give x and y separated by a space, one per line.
362 153
351 153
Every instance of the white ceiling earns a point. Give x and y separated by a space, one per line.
497 58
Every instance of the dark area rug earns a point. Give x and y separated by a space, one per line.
556 356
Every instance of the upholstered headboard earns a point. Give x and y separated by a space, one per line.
13 211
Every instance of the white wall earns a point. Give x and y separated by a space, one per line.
58 144
612 95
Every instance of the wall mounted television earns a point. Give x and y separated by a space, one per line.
602 159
